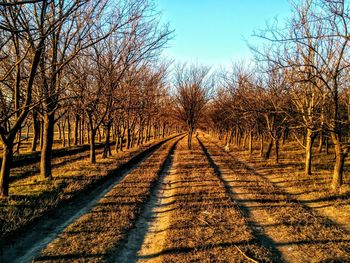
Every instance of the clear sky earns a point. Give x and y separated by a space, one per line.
214 32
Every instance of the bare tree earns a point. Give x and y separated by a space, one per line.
193 88
21 48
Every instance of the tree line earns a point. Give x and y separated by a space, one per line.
85 67
299 87
92 69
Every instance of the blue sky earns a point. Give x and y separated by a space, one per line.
214 32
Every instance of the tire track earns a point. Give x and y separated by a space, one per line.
137 236
196 221
42 232
297 232
257 229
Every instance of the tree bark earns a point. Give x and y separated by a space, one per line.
46 152
128 138
107 148
340 155
64 133
337 179
320 144
92 134
250 141
69 131
19 141
7 158
277 150
76 130
189 139
310 137
269 148
59 131
261 145
82 134
36 131
99 135
122 139
41 134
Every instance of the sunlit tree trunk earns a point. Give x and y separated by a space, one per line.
7 157
76 130
310 137
36 131
46 151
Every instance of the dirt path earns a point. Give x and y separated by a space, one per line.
248 210
144 236
41 233
191 218
299 234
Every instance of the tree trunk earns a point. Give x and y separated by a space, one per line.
88 133
82 132
163 130
269 148
251 141
261 145
7 158
19 141
107 147
122 139
117 139
139 136
76 129
69 131
128 138
337 179
133 136
277 147
245 140
92 147
46 152
41 134
59 131
36 131
148 136
320 144
310 137
92 134
64 133
99 135
189 139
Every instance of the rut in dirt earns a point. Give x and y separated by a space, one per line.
136 237
297 231
256 228
35 237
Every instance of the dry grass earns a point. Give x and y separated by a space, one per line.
206 225
65 158
297 231
30 199
97 234
313 191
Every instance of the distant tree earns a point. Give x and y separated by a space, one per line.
193 87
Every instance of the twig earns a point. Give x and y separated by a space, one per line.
249 258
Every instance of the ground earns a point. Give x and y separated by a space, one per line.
202 204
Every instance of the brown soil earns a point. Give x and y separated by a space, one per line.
36 225
299 233
99 233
